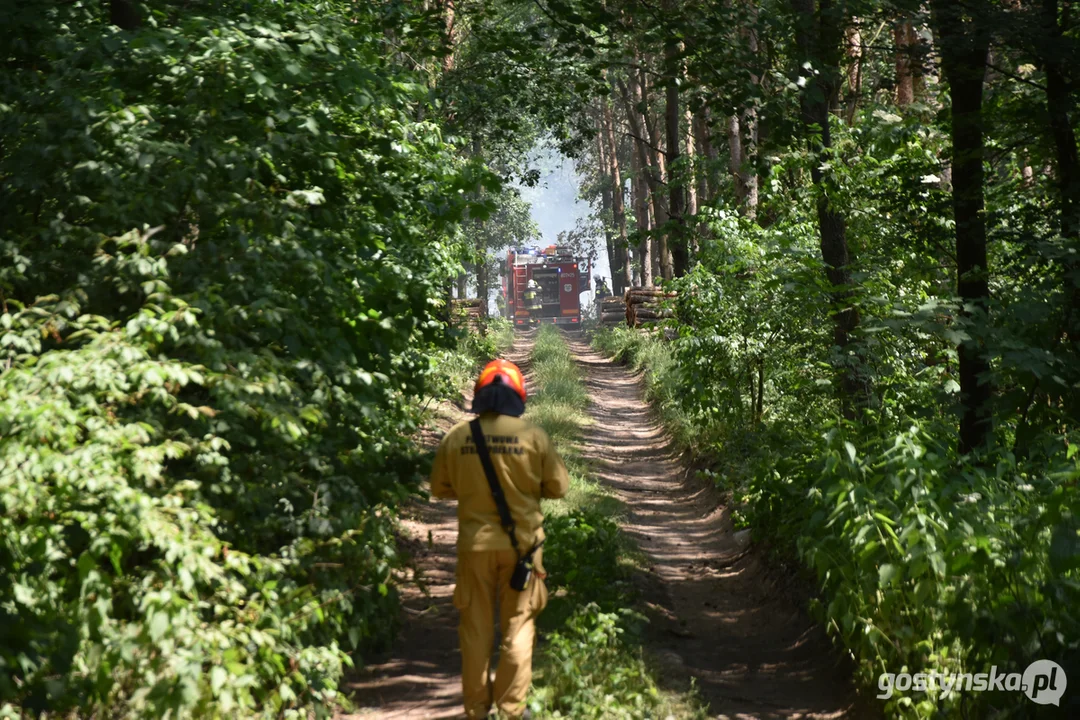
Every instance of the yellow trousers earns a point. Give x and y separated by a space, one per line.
483 583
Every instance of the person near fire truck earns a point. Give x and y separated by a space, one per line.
498 466
532 296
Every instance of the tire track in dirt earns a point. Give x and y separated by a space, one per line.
420 677
718 614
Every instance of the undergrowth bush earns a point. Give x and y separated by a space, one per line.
453 369
205 422
591 670
582 553
928 564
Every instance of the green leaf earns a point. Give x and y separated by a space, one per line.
887 574
1065 548
159 625
218 677
23 594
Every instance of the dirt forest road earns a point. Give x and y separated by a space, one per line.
718 613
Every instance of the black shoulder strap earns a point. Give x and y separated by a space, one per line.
505 517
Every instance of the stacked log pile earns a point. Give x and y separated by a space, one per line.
644 305
467 313
612 311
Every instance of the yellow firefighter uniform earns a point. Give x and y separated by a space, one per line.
532 301
528 468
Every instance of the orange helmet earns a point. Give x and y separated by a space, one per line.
508 371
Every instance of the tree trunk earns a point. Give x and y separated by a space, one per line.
124 15
450 33
691 182
759 409
644 222
662 206
736 160
481 246
1059 107
605 201
964 46
818 38
904 37
618 198
748 126
854 49
749 171
677 240
649 157
707 153
482 281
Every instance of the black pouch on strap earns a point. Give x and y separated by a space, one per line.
523 570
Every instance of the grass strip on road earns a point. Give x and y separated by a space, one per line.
591 664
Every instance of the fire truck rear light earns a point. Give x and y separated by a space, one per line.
573 319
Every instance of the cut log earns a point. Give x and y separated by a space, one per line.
650 314
650 291
637 299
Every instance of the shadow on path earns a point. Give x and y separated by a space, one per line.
716 613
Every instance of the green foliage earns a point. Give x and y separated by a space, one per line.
582 553
455 369
206 426
121 585
495 337
927 564
827 398
591 672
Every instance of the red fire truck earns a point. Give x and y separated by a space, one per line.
561 278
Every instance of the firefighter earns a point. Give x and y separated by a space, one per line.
532 296
602 290
489 552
